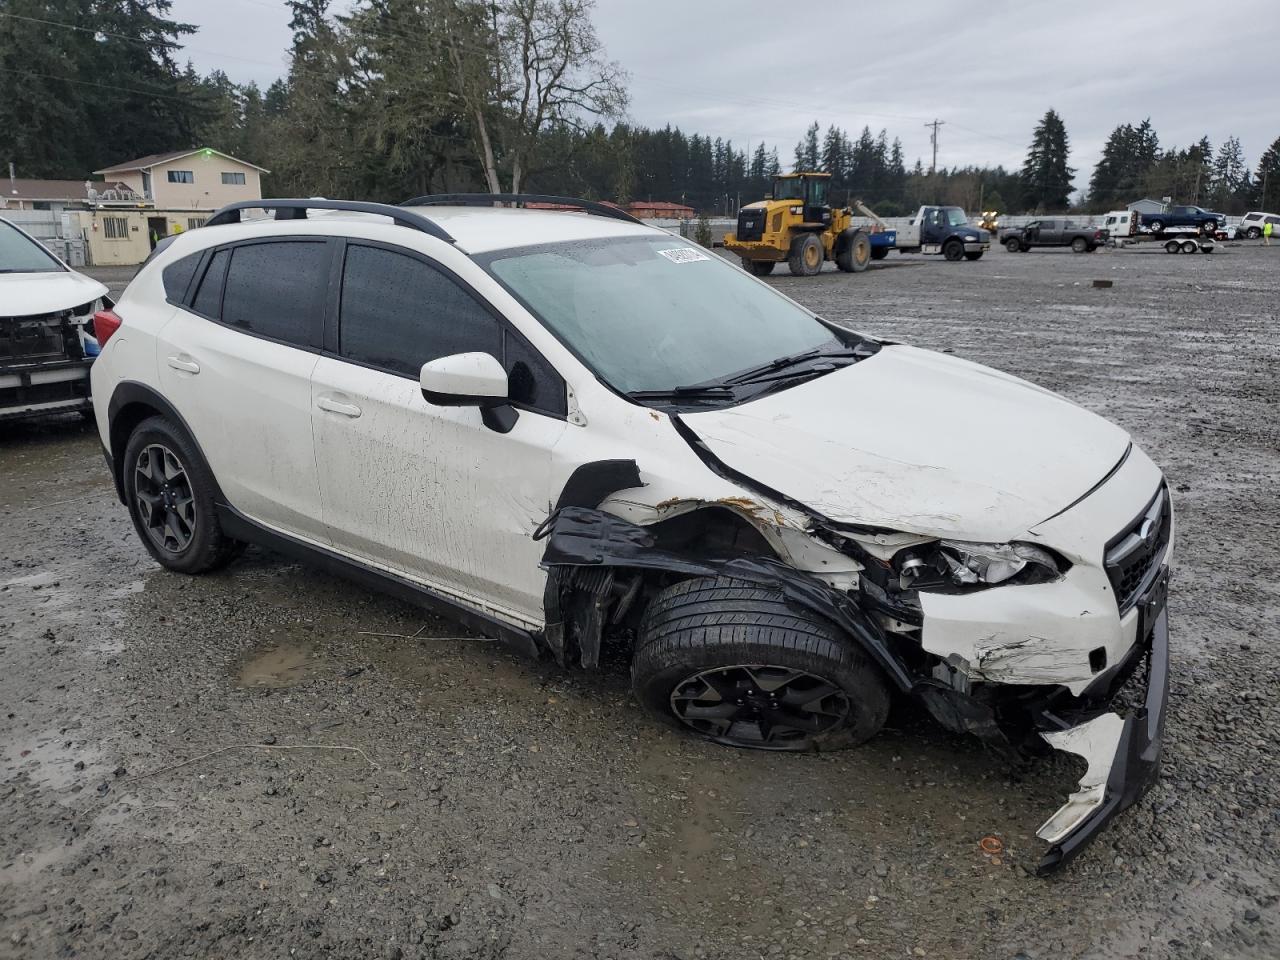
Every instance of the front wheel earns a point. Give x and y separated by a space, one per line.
733 661
170 491
953 250
1013 246
758 268
806 255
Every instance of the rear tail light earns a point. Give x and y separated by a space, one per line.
105 323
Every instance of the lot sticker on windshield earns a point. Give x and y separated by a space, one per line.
683 255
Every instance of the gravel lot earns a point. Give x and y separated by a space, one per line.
268 762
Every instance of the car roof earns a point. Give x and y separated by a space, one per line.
474 229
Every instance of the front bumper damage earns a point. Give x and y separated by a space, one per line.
1123 752
590 554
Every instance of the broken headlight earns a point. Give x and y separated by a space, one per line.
955 563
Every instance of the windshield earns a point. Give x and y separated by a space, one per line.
655 313
788 188
956 217
20 254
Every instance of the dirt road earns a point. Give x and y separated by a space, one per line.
268 762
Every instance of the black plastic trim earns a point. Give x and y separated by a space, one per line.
128 392
296 209
519 199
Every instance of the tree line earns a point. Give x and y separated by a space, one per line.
396 98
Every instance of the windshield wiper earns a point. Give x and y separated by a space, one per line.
777 370
694 391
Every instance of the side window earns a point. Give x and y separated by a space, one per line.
208 299
534 382
397 313
177 277
278 290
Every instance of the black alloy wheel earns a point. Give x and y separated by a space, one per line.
757 705
166 502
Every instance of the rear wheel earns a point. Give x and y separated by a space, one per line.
1157 226
806 255
1254 233
758 268
1013 245
953 250
855 255
1080 245
733 661
169 490
1189 246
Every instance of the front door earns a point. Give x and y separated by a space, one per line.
237 367
157 230
425 491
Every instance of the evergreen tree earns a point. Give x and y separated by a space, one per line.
1046 177
808 153
1229 177
1268 177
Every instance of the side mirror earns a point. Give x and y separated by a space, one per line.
470 380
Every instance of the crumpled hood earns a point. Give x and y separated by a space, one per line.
919 442
23 294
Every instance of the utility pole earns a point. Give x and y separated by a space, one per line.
933 137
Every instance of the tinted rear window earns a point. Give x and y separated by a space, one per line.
177 277
277 290
208 299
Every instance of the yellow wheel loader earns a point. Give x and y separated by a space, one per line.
797 226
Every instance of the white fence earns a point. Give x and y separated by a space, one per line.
59 233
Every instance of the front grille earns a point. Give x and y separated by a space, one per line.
1133 556
750 224
39 338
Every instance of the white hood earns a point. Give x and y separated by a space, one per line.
23 294
919 442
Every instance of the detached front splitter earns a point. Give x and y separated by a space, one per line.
1123 753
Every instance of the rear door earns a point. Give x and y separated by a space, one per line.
426 491
236 362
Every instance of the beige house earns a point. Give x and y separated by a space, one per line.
199 179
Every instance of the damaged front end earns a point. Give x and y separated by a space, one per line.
904 599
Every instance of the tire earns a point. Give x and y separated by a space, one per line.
1254 233
1079 245
1172 246
758 268
805 259
179 488
1013 245
975 255
1206 249
1189 246
1157 226
953 250
855 254
747 638
879 253
1209 228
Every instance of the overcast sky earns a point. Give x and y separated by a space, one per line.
753 70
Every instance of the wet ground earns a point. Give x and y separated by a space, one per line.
269 762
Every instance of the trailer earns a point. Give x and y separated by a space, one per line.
1184 239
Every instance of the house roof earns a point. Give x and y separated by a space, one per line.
155 159
28 189
656 205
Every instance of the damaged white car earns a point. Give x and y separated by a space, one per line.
45 349
570 429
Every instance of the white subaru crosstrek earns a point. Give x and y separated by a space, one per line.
568 428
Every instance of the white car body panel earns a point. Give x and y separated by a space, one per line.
918 442
24 294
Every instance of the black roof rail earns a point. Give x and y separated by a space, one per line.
296 209
519 199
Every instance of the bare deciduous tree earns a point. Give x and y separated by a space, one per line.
522 66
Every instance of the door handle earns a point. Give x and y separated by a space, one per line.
337 406
184 363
